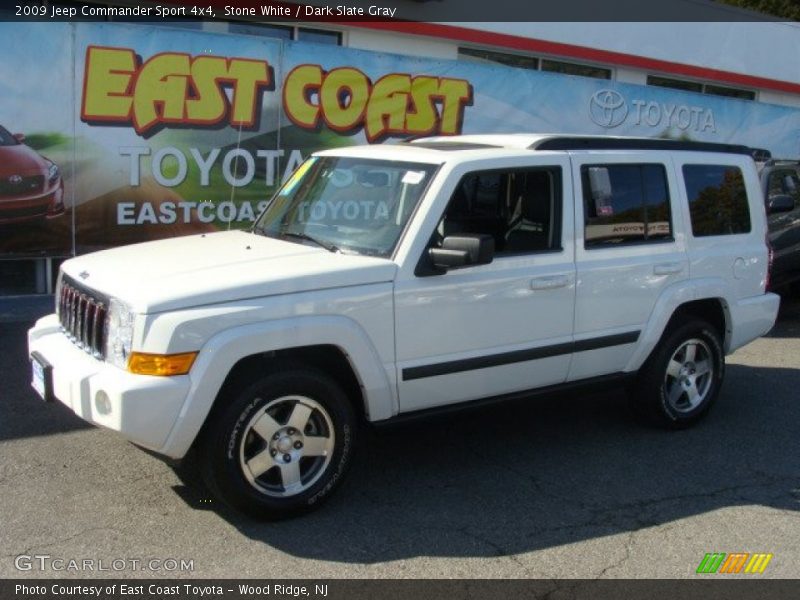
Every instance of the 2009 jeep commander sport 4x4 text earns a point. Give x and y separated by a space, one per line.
390 279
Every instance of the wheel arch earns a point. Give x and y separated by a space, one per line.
705 299
328 358
713 310
334 344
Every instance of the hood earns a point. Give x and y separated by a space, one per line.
219 267
21 160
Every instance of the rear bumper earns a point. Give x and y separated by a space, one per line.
142 408
751 318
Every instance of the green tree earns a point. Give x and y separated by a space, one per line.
783 9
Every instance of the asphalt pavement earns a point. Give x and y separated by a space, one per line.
563 487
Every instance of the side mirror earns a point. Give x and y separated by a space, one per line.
780 203
463 251
20 137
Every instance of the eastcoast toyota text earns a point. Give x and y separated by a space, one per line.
123 589
193 591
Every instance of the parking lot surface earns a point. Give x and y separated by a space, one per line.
563 487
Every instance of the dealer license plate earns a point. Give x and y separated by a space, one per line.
42 377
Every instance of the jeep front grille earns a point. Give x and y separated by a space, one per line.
83 317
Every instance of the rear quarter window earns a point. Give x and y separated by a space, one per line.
717 200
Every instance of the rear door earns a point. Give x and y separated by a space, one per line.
628 249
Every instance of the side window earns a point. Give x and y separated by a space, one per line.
625 204
520 208
784 183
717 200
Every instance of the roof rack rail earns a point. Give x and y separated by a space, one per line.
621 143
782 161
454 145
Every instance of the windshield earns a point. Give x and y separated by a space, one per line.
6 139
347 204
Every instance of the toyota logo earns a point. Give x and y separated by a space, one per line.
15 179
607 108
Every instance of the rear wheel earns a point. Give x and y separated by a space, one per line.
681 380
281 446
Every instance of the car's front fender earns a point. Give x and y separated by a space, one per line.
221 352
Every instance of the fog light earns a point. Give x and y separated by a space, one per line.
102 403
161 364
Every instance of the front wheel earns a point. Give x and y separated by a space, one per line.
681 380
281 446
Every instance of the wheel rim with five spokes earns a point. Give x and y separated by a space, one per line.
690 373
287 446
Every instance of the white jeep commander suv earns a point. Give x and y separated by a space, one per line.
385 280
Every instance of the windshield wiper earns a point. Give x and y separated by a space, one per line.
304 236
262 231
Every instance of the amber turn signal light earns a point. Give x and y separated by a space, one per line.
142 363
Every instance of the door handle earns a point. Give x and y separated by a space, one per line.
668 269
549 283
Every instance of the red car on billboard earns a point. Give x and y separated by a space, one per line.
31 186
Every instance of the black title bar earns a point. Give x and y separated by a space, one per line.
702 587
382 10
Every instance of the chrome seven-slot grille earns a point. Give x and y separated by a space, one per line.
83 317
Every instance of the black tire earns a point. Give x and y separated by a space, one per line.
232 450
677 398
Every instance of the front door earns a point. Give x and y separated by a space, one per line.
493 329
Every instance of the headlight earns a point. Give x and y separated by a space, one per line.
119 333
52 173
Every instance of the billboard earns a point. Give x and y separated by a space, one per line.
117 133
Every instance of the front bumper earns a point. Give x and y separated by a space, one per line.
48 205
142 408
